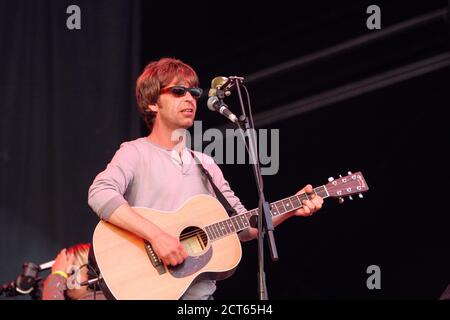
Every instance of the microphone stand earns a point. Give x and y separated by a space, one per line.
265 224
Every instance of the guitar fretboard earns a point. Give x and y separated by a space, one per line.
242 221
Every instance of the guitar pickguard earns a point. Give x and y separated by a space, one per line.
191 265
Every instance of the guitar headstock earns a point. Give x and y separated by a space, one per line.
353 183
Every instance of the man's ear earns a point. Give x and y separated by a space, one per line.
153 107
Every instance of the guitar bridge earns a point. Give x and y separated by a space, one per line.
154 259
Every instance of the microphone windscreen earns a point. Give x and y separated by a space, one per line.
217 82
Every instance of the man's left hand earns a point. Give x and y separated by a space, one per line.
309 206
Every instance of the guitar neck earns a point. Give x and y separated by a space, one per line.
286 205
242 221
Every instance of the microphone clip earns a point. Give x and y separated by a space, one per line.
221 86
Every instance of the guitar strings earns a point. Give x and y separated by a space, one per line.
274 204
198 232
204 237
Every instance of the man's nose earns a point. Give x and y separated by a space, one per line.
190 97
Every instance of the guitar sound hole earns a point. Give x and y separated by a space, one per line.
194 240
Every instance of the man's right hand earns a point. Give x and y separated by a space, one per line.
169 249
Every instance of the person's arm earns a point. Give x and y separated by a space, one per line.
56 283
310 206
109 186
54 287
224 187
167 247
106 199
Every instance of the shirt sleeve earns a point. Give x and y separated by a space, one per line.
54 287
107 190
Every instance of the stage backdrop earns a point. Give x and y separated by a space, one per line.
65 107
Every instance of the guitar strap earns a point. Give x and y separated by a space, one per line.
219 195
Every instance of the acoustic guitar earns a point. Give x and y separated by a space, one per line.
130 269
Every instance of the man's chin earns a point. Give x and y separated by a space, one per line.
187 124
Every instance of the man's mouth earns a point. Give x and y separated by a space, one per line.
188 111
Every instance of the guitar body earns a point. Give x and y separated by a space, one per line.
131 270
125 262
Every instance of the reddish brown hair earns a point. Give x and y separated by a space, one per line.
156 75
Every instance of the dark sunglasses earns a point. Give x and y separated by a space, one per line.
181 91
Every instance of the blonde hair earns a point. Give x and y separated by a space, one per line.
80 252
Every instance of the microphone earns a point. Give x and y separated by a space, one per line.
219 83
25 281
214 104
46 265
223 85
89 282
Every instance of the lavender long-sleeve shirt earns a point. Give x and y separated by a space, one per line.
144 174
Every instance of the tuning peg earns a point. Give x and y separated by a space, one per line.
340 176
349 173
330 179
360 195
350 197
341 200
